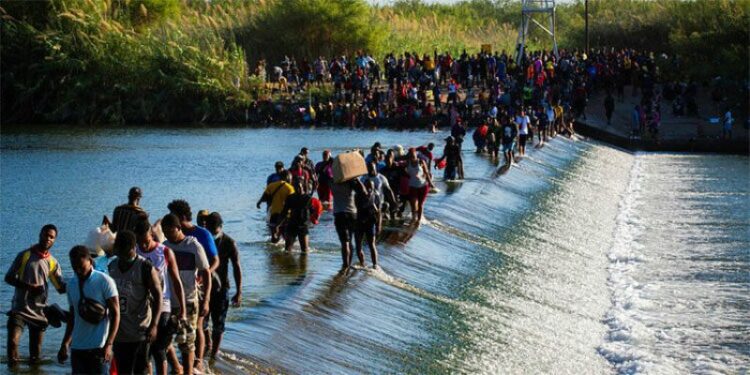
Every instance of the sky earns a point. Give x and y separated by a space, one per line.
448 1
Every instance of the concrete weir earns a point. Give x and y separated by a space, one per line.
676 133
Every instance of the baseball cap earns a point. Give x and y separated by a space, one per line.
215 218
135 191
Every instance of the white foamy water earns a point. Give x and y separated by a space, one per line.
679 268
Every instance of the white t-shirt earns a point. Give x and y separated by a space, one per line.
523 124
158 259
190 258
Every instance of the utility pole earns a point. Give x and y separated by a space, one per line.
586 17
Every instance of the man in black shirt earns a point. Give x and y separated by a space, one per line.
296 214
126 216
219 303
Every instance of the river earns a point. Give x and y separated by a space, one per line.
581 259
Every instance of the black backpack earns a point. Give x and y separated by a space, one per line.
301 213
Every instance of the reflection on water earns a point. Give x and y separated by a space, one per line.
517 273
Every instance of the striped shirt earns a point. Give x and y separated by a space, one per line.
125 217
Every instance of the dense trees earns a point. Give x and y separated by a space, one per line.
120 61
310 28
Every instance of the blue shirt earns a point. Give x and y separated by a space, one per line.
273 177
206 240
99 287
100 263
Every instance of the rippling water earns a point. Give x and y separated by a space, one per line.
581 259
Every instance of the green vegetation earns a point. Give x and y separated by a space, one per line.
91 62
710 36
172 61
312 28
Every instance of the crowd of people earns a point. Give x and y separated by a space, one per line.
157 286
394 179
165 284
427 90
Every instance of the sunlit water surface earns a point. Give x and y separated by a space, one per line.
581 259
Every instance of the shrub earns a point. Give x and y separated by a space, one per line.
309 28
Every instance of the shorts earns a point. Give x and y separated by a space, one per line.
508 147
294 231
165 330
419 193
522 139
218 307
367 227
324 193
274 220
542 126
450 172
186 333
15 319
131 357
345 223
88 361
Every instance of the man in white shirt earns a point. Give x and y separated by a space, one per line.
196 280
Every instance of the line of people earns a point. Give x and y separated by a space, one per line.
185 266
420 89
395 178
157 284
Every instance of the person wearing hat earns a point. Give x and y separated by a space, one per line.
202 218
228 253
276 176
304 154
125 216
299 171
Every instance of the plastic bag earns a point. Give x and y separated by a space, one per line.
157 233
101 240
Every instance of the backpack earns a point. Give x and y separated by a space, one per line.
301 215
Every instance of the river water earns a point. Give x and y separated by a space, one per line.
581 259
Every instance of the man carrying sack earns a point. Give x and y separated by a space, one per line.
347 167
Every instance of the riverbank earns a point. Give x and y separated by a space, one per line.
676 133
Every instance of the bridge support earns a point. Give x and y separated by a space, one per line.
534 11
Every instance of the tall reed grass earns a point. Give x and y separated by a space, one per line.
170 61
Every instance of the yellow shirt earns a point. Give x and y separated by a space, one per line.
558 111
282 190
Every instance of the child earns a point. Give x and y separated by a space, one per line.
368 222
